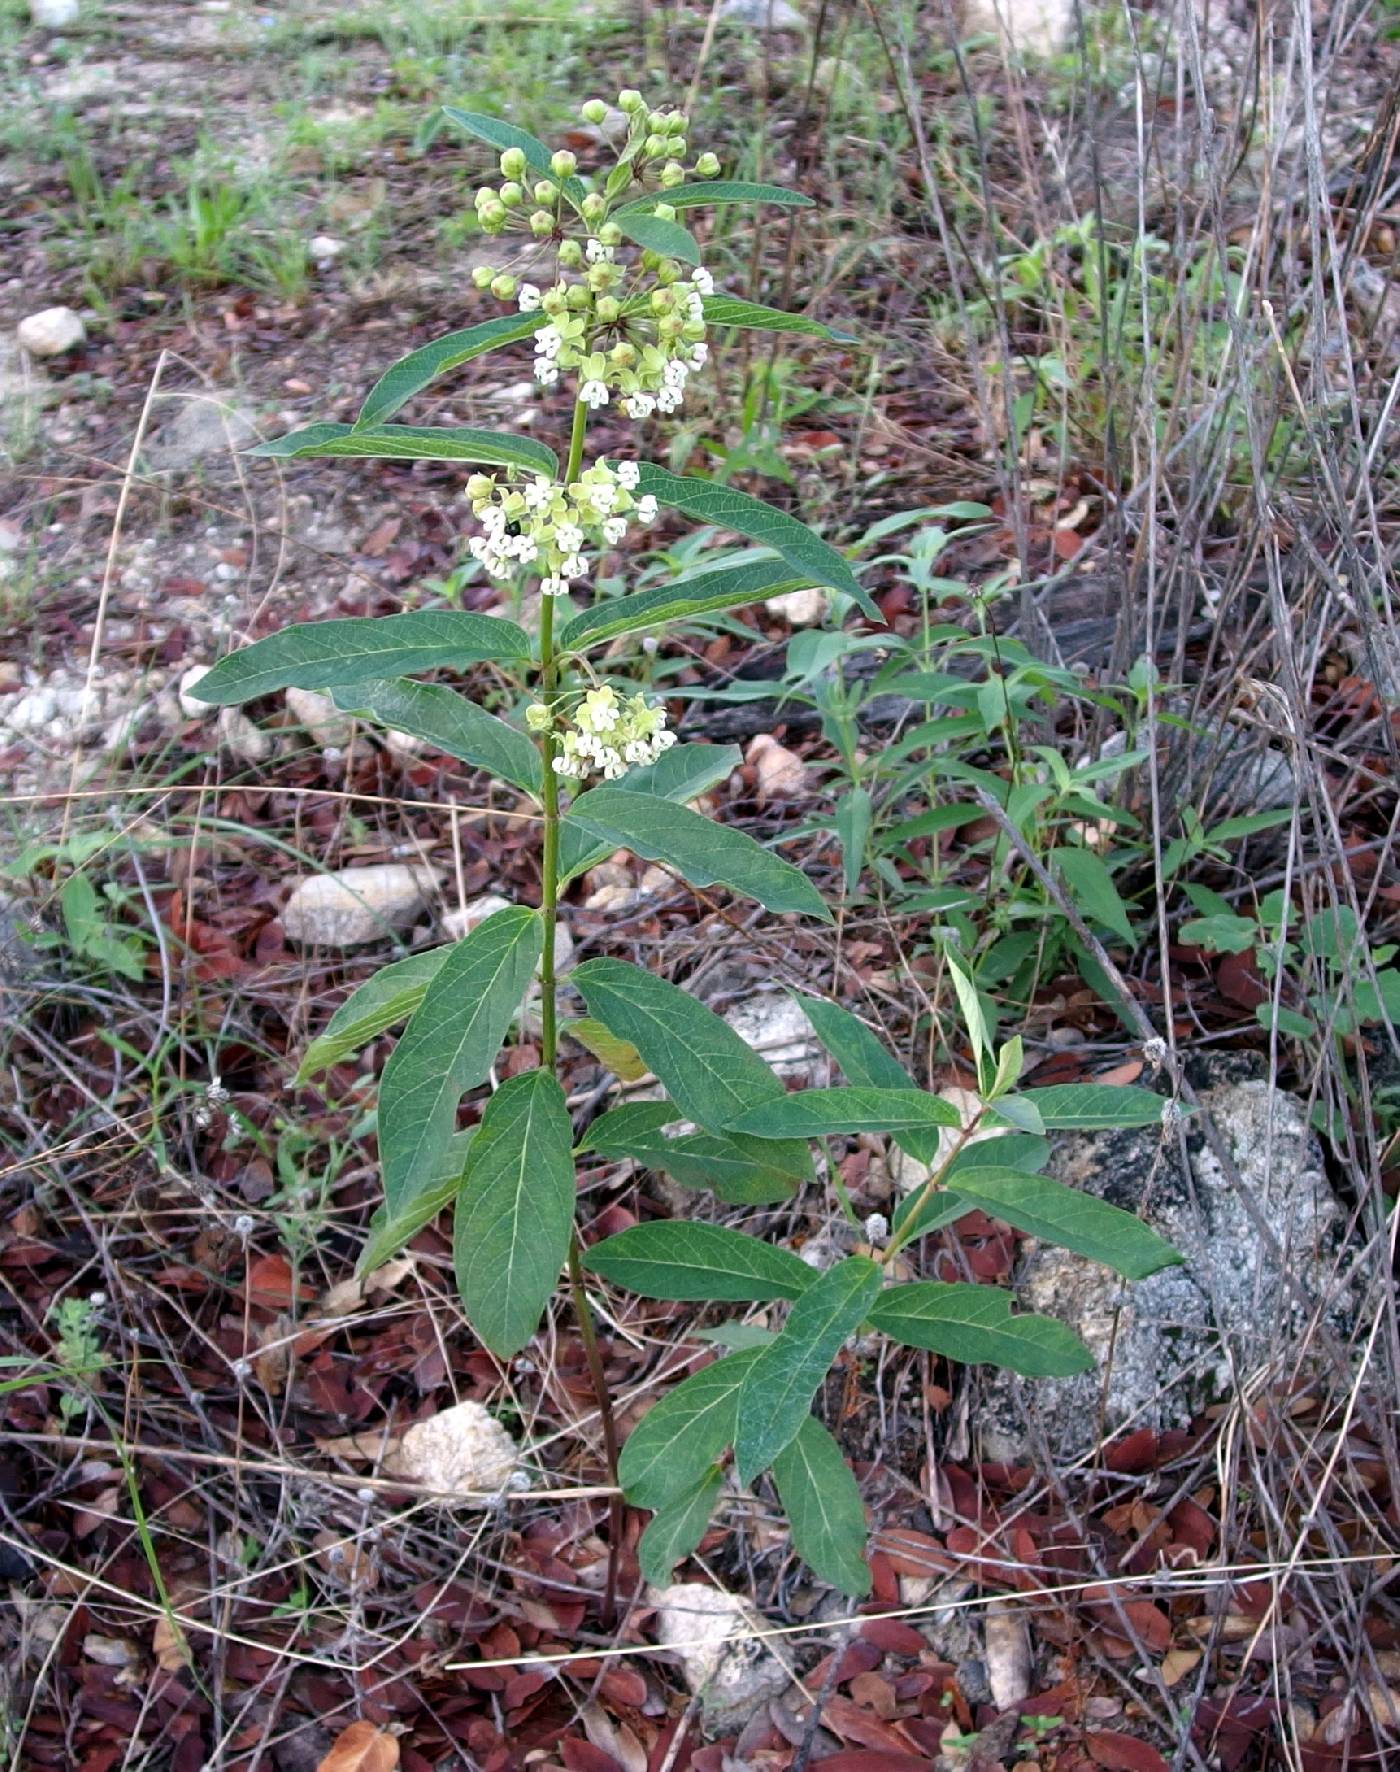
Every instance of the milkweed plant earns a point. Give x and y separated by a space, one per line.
622 315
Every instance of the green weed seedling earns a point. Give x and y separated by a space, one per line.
626 323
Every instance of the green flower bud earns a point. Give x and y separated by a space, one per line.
542 223
482 276
570 254
623 354
553 302
655 147
512 194
562 163
595 111
668 272
675 123
658 122
513 163
693 331
670 325
537 717
579 296
599 277
595 206
607 308
480 486
503 287
610 234
494 216
485 194
707 166
630 100
650 260
672 173
545 192
677 144
662 301
665 212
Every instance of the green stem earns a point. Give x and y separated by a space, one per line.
549 1044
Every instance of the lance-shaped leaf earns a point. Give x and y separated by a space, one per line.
496 449
777 1392
683 1433
381 1002
450 1045
1092 888
974 1326
621 1059
449 723
679 774
805 552
502 135
389 1231
668 238
411 374
701 851
819 1113
1066 1217
719 190
515 1212
708 1071
930 1211
690 1262
327 654
728 588
865 1062
678 1527
752 316
1092 1107
822 1501
694 1159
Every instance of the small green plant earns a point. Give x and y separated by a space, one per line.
626 323
78 1353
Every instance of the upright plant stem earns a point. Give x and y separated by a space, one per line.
549 910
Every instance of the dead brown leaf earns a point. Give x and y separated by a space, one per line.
362 1748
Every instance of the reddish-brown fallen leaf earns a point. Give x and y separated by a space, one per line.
269 1282
893 1636
1107 1747
362 1748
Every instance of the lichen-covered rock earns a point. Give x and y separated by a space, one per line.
357 905
461 1452
730 1670
774 1025
1166 1347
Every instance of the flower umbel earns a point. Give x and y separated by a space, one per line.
607 734
546 526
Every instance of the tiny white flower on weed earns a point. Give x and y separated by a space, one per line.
646 508
702 280
629 473
593 394
529 298
614 530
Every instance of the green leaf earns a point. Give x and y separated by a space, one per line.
680 774
1287 1021
865 1062
414 443
1018 1111
822 1501
327 654
752 316
694 1159
742 1337
1092 1107
974 1326
854 811
502 135
1013 1150
1068 1218
1226 934
1091 886
411 374
381 1002
450 1045
819 1113
449 723
622 1060
666 237
683 1433
719 190
777 1391
690 1262
806 553
728 588
389 1231
515 1212
701 851
708 1071
970 1002
677 1528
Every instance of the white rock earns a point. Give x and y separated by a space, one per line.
239 735
777 15
799 609
464 918
782 775
320 716
462 1451
774 1025
32 711
1037 27
357 905
191 708
53 15
721 1661
51 333
907 1173
325 249
204 425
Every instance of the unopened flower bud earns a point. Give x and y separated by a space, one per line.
672 173
630 101
595 206
570 254
610 234
668 271
707 166
658 122
513 163
594 111
675 123
677 144
480 486
665 212
670 326
512 194
545 192
656 147
579 297
662 301
537 717
541 223
503 287
562 163
623 354
606 309
494 217
482 276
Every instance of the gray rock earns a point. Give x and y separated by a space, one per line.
1167 1347
357 905
205 425
53 15
731 1671
51 332
762 14
774 1025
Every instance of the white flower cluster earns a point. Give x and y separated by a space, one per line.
546 526
608 735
